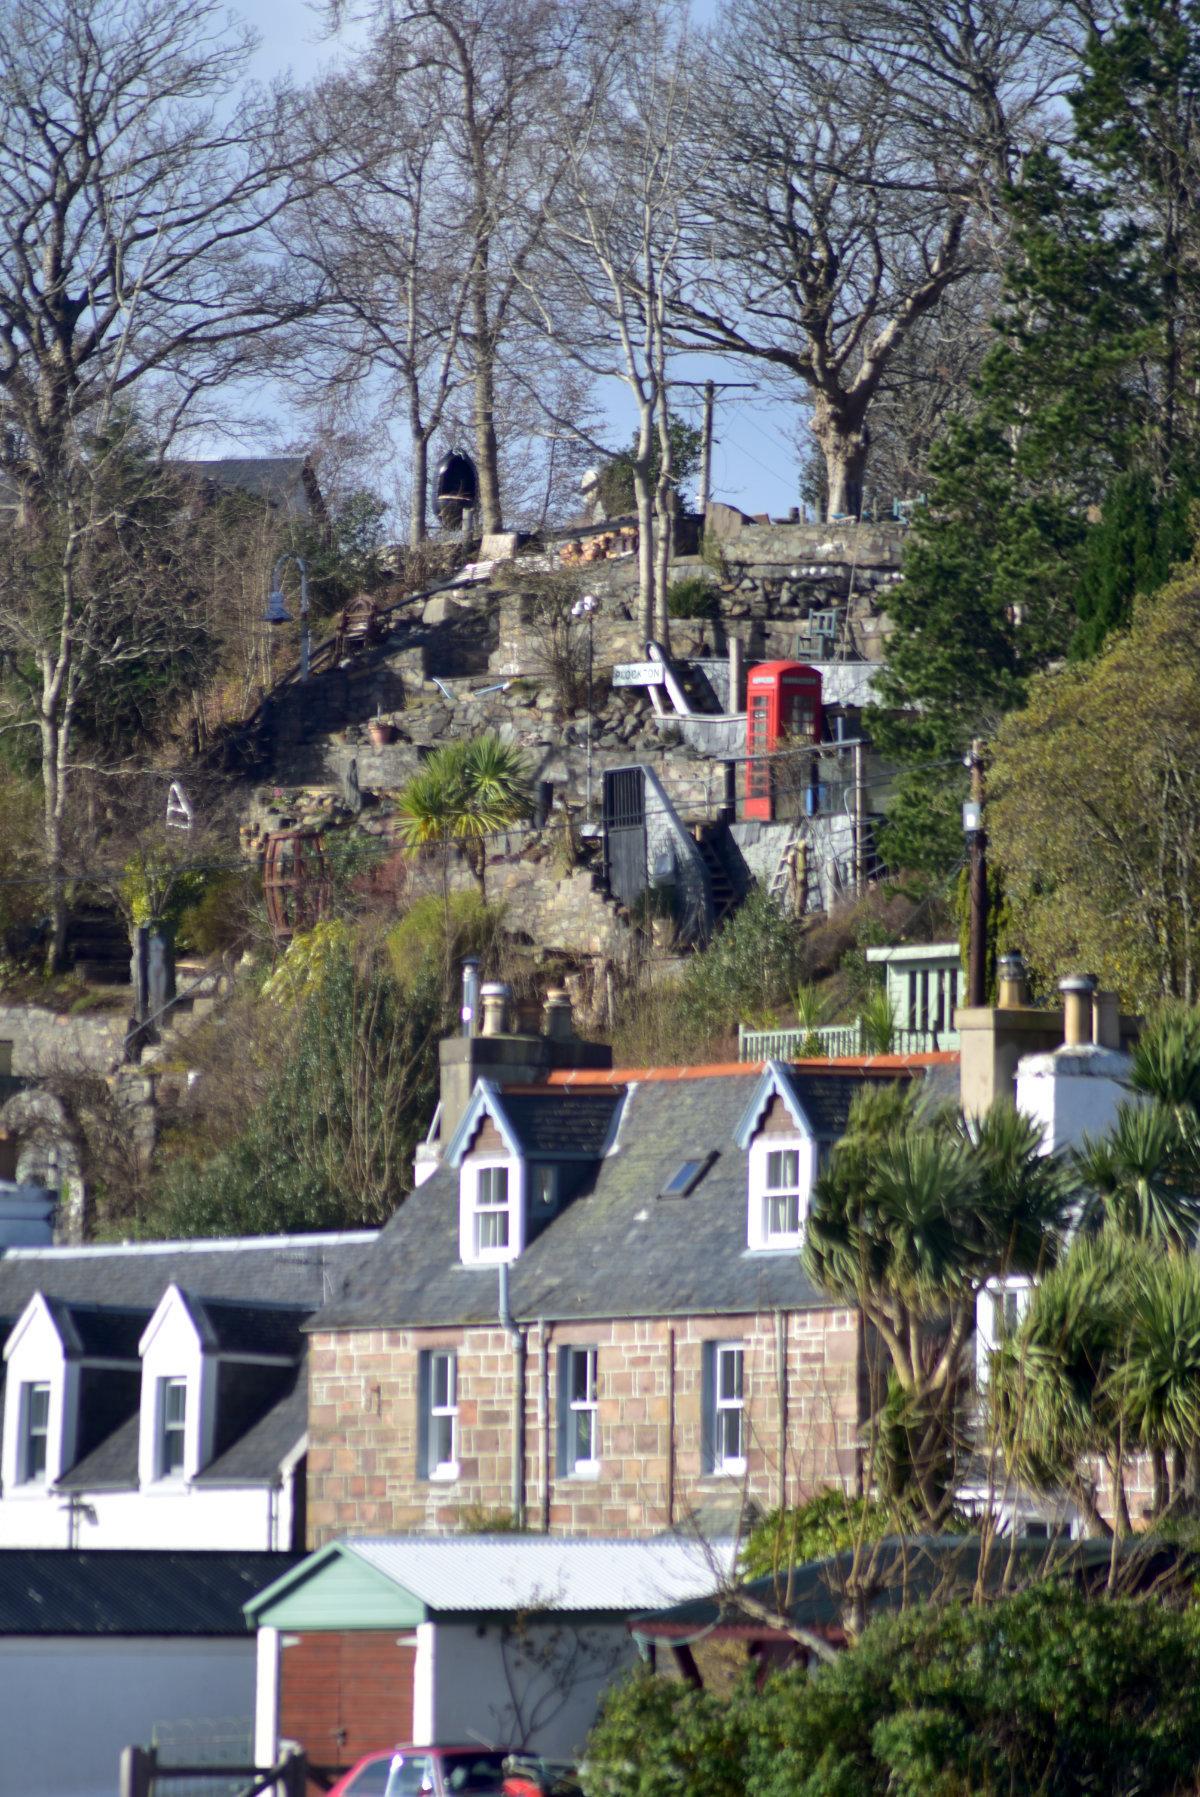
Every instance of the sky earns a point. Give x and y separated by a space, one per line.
757 436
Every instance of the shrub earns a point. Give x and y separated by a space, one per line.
1048 1691
428 935
825 1525
694 597
749 970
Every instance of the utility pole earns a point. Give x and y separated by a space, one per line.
709 390
710 393
977 937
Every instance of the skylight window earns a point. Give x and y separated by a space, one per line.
686 1177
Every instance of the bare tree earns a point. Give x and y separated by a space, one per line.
498 65
855 182
132 190
378 225
606 289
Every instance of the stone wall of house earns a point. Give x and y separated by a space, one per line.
363 1475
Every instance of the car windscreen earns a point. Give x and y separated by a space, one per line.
371 1780
467 1773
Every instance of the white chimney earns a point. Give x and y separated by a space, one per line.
1076 1090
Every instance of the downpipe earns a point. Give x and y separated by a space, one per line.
517 1337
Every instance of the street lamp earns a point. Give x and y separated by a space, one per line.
587 607
277 611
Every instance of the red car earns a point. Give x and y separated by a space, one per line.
425 1772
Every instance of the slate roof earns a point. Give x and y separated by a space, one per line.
111 1466
95 1332
300 1270
256 1456
244 1327
616 1249
248 1297
114 1591
561 1123
276 480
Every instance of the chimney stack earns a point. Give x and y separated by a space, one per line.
1077 1009
1012 981
495 997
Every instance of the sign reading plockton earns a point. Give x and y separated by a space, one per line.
638 673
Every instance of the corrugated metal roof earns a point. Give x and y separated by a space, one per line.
522 1572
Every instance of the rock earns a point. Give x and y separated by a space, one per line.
443 608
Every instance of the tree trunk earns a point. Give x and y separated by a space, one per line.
844 444
419 497
486 455
52 810
644 499
664 523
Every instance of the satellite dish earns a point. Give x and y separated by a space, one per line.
179 809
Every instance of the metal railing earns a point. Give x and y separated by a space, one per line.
835 1041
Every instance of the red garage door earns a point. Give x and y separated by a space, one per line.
345 1693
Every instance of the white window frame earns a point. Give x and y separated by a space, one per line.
173 1427
25 1476
475 1177
580 1466
441 1413
760 1234
1015 1290
735 1405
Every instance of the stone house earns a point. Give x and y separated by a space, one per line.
592 1317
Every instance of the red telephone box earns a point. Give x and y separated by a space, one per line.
783 705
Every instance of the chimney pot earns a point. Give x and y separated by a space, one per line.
1077 1009
495 1007
1012 981
470 995
1106 1020
560 1022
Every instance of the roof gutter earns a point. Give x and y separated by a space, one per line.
517 1337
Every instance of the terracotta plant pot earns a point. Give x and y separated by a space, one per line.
380 733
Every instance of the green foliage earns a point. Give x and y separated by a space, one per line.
616 488
331 1146
1143 533
467 790
878 1022
748 971
1045 1692
430 934
826 1525
20 821
1095 803
694 597
216 920
343 556
158 885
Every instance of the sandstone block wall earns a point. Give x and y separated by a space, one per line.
363 1475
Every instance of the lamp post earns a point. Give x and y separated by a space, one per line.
586 607
277 611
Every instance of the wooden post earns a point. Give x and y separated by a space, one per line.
977 940
295 1773
860 832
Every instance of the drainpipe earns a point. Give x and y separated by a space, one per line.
544 1423
517 1337
781 1383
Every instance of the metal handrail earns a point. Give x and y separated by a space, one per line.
835 1041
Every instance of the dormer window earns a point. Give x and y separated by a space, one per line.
781 1174
172 1427
493 1221
35 1433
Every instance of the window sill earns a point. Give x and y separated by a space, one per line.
728 1469
791 1245
583 1469
443 1475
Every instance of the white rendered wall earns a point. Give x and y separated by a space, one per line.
472 1699
69 1705
164 1516
266 1698
1072 1093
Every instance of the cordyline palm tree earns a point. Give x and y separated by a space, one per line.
915 1214
466 791
1105 1362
